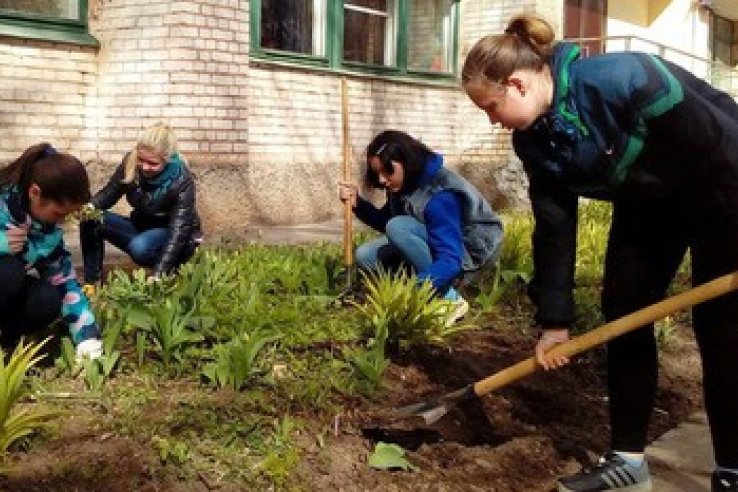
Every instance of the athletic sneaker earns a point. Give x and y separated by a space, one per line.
722 480
456 310
611 472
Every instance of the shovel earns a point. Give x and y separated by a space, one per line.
432 410
348 243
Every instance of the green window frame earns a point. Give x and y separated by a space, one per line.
388 38
19 19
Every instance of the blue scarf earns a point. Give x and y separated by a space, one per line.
161 182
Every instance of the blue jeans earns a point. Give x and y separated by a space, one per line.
405 243
145 247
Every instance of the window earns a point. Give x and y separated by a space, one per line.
53 20
725 41
431 36
290 25
404 37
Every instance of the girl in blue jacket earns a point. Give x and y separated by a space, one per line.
660 144
433 221
37 279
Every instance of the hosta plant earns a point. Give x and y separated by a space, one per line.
17 422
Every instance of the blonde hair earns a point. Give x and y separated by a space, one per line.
159 138
526 44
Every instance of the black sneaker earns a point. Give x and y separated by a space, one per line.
722 480
610 473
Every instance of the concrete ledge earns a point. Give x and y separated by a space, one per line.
682 459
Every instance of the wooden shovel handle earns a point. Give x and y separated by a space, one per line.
608 331
348 214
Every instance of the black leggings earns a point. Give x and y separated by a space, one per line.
27 304
646 246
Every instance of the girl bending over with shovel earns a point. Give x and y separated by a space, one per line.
659 143
37 279
433 221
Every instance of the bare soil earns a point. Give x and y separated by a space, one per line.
519 438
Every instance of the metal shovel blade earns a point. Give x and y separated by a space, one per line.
432 410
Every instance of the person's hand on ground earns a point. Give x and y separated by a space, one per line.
550 339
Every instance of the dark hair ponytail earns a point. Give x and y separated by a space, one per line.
61 177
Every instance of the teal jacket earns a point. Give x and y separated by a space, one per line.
45 252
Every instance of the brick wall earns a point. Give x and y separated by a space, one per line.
44 94
264 140
179 61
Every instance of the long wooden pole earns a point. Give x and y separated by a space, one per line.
348 246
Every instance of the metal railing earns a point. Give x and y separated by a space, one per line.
718 74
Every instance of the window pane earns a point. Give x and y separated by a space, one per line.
368 32
430 37
65 9
725 45
293 25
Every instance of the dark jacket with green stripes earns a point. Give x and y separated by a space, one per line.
621 126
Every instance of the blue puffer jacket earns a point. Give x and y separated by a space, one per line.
622 126
45 252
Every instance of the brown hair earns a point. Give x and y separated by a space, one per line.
61 177
526 44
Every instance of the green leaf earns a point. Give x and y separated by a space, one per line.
389 457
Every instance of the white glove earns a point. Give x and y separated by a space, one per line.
92 348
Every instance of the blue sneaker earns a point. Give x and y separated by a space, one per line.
610 473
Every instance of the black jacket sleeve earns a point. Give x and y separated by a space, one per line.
111 192
374 217
182 223
554 242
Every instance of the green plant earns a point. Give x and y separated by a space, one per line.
489 296
371 363
664 331
236 361
282 455
172 451
17 423
516 253
593 229
389 457
169 325
410 312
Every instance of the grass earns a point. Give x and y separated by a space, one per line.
251 355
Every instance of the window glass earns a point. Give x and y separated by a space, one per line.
725 44
430 35
369 32
64 9
293 25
